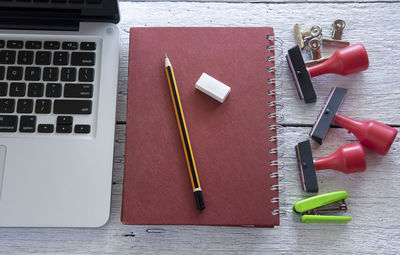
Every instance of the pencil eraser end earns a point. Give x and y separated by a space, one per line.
212 87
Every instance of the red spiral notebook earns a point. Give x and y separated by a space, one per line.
233 142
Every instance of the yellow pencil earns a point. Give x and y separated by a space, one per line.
180 118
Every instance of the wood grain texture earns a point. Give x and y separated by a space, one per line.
374 94
366 203
376 86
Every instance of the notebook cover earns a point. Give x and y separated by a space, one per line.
230 141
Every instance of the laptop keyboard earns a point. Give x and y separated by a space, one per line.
47 86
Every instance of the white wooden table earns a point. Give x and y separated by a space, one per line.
373 94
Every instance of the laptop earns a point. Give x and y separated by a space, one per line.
58 87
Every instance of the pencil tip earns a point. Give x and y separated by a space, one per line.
165 55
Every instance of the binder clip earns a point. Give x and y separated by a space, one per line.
347 159
313 209
315 48
372 134
348 60
302 38
311 41
336 35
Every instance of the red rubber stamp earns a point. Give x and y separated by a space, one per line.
348 60
372 134
347 159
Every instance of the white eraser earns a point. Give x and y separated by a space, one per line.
213 87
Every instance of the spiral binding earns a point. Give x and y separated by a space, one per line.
274 85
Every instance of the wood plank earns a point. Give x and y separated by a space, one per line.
364 198
364 203
377 86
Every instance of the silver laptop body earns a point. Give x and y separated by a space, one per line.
57 121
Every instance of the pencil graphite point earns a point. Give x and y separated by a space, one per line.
167 63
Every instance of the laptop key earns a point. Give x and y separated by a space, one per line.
51 45
27 124
43 58
82 59
88 45
64 120
43 106
64 128
68 74
78 90
8 123
25 106
64 124
60 58
7 105
86 74
25 57
17 89
14 73
50 74
33 45
3 89
72 107
82 129
2 43
53 90
2 72
7 56
32 73
45 128
14 44
69 45
35 89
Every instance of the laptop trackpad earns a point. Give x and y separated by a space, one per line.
2 162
